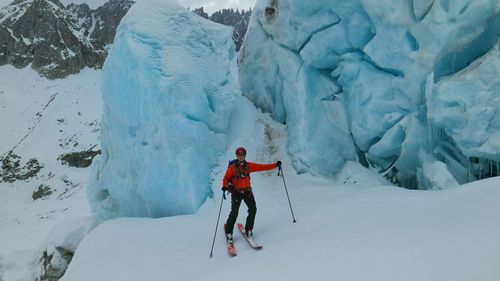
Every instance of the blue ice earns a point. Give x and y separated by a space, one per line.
168 93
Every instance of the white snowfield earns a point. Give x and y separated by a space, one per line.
44 119
352 231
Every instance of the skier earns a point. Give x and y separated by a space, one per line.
237 182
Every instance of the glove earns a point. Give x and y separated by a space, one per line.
279 164
224 189
229 188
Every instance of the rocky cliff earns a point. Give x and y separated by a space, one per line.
56 40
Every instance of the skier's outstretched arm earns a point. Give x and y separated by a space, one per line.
254 167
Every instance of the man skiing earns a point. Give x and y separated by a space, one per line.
237 181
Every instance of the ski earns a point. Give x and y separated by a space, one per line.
250 240
231 250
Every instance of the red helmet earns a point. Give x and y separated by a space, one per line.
241 151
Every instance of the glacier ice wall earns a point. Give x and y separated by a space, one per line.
168 91
465 112
384 82
304 96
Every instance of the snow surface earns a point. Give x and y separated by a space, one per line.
167 110
354 229
378 81
43 119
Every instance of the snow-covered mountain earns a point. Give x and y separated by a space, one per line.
50 129
237 19
58 40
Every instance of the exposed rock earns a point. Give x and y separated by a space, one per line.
238 20
81 159
59 41
12 169
56 263
42 192
201 12
56 40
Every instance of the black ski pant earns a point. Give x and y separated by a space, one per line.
236 198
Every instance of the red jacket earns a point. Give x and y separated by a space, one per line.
240 183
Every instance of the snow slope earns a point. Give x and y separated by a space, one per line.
43 119
358 228
343 232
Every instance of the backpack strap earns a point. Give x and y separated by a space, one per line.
231 162
243 171
240 173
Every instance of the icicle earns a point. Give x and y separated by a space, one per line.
484 168
434 135
480 169
468 169
431 137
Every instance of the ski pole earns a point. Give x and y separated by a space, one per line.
217 226
283 176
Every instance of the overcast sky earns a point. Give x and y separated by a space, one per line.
214 5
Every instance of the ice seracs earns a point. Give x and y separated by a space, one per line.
374 80
392 85
168 93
